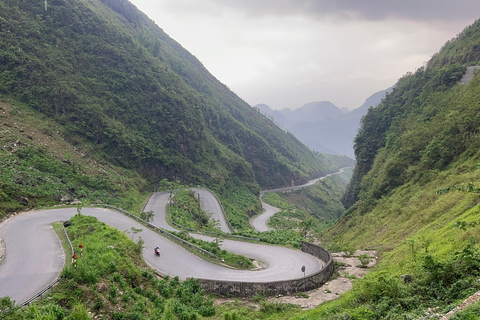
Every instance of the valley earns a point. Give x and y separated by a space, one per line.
99 106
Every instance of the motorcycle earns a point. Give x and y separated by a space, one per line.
157 251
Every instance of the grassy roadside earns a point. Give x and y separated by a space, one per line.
112 282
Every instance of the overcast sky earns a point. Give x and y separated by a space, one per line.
286 53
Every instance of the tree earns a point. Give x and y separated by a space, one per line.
135 231
147 215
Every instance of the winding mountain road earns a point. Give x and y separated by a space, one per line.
260 222
34 256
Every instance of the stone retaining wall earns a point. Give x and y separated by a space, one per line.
246 289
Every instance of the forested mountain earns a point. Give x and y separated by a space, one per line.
414 195
427 124
118 86
424 134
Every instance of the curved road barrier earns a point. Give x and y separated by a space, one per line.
246 289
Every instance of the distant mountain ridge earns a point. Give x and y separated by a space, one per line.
323 126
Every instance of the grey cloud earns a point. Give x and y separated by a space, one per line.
360 9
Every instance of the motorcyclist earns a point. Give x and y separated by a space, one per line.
157 251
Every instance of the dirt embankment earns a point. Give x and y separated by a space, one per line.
349 271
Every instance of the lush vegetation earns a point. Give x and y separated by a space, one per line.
114 80
422 138
434 284
414 193
185 211
130 107
100 105
321 200
112 282
308 212
39 168
426 124
226 258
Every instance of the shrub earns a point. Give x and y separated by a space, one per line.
365 259
79 312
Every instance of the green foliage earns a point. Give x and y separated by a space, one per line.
112 279
240 204
436 283
185 210
147 215
231 315
472 312
424 124
413 191
228 258
281 237
272 307
464 225
38 168
365 259
103 82
308 211
7 305
119 86
362 313
322 200
79 312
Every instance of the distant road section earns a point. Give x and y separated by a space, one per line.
260 222
469 74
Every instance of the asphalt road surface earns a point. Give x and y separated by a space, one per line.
209 203
34 256
260 222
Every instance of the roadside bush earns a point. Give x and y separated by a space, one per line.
365 259
470 313
79 312
362 313
275 307
436 283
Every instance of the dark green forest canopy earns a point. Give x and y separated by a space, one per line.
422 126
116 81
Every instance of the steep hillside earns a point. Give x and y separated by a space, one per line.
422 138
415 193
40 168
120 87
426 125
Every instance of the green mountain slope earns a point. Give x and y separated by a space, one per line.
118 86
415 194
426 125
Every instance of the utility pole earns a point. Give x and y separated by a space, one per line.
45 5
